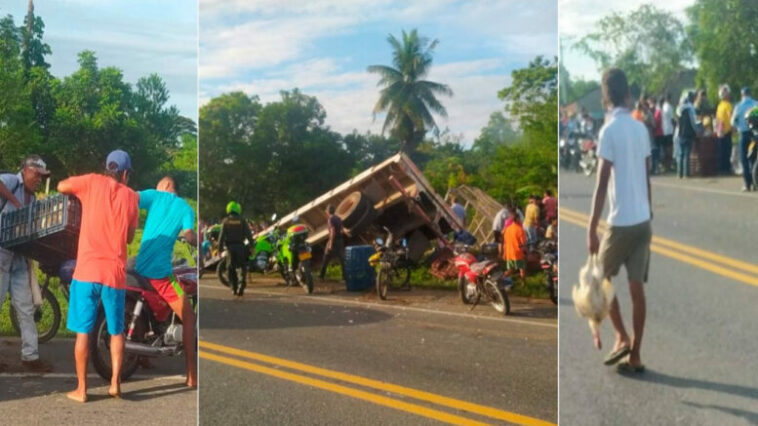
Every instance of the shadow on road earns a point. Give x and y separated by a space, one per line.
752 418
268 314
681 382
157 392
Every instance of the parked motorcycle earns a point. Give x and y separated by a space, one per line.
152 327
293 256
48 315
481 277
588 161
394 265
549 265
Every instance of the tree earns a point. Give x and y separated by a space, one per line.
574 89
406 97
532 100
725 39
649 44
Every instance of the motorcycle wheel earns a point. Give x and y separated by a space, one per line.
47 317
462 290
306 277
381 280
222 270
100 341
399 278
552 290
498 298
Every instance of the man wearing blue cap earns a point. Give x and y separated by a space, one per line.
109 219
740 123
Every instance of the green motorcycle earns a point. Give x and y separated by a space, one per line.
293 255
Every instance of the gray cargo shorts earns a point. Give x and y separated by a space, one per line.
628 246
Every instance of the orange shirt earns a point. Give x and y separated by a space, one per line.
109 210
638 115
514 237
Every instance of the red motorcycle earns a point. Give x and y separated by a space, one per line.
481 277
152 327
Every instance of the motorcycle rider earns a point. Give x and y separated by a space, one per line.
168 216
234 232
110 212
16 191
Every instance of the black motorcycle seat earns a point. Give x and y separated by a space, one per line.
136 280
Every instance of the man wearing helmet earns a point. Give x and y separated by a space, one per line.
234 232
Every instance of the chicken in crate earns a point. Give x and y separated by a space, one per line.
45 230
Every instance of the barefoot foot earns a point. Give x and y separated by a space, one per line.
114 392
77 395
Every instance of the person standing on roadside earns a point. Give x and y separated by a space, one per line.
686 131
724 132
667 123
515 242
624 177
335 246
658 138
458 209
16 191
110 211
168 216
234 232
738 121
551 206
531 220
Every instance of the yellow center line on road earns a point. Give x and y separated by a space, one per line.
344 390
379 385
713 262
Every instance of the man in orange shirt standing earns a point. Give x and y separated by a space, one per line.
109 219
514 240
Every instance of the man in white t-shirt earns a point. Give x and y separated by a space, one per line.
624 152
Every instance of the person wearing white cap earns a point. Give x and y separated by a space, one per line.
16 191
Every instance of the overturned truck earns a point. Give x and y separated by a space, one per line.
394 195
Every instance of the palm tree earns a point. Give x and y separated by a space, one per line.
406 97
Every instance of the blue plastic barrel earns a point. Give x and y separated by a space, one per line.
359 275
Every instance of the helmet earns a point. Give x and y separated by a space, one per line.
233 206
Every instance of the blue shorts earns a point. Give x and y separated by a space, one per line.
83 307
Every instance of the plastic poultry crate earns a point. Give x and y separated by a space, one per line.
46 230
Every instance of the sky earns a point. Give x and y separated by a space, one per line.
140 37
578 18
323 47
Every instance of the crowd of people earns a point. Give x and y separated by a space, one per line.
518 231
110 212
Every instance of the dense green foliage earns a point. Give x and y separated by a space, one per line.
278 156
649 44
725 38
74 121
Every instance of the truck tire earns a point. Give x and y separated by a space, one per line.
353 208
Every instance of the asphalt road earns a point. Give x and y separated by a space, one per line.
152 396
700 340
283 357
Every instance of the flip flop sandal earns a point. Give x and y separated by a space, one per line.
626 368
616 355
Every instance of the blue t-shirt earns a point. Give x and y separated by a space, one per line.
167 216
